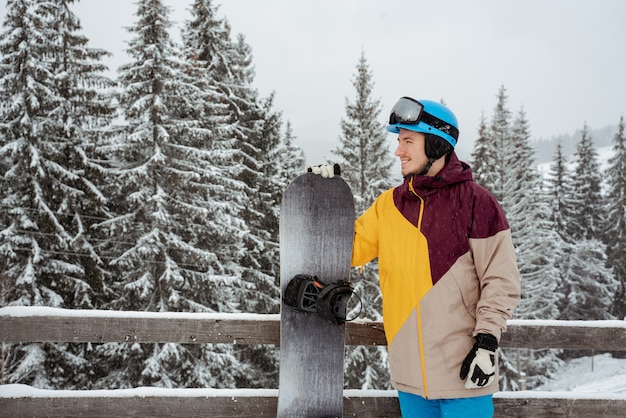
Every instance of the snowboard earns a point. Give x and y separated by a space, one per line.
316 235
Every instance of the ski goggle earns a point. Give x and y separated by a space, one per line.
406 111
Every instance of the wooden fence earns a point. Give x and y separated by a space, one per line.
29 324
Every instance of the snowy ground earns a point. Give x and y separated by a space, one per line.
600 373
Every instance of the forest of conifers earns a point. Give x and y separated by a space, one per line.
160 191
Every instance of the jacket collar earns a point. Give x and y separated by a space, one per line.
455 171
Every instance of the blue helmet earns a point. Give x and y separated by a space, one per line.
424 116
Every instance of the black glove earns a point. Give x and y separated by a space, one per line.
325 170
479 365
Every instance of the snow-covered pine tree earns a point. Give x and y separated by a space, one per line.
208 48
50 105
587 285
161 172
500 132
24 82
528 212
229 113
536 243
588 209
489 159
249 132
558 189
81 118
615 226
364 146
258 137
366 166
261 264
481 156
176 235
30 225
290 157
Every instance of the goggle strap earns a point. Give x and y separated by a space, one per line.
437 123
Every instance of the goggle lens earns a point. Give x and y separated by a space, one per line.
406 111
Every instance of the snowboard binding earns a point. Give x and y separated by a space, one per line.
307 293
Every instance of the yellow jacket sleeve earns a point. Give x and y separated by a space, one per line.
365 247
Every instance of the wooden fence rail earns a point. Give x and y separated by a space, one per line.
30 324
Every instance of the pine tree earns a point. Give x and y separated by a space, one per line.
280 162
366 165
560 195
587 285
482 155
506 167
559 191
227 117
489 156
25 82
31 225
208 47
528 213
81 118
51 106
615 226
290 157
250 132
162 176
536 242
262 176
175 237
257 138
364 147
587 215
262 260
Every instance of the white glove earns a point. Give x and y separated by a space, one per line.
482 369
479 367
327 171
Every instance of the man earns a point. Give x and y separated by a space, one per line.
447 270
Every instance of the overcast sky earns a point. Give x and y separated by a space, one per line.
563 61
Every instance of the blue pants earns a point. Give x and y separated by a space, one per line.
414 406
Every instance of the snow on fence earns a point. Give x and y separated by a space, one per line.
37 324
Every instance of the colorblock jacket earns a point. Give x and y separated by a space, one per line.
447 272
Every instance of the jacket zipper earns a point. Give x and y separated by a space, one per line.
419 313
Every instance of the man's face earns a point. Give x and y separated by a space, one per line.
411 152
